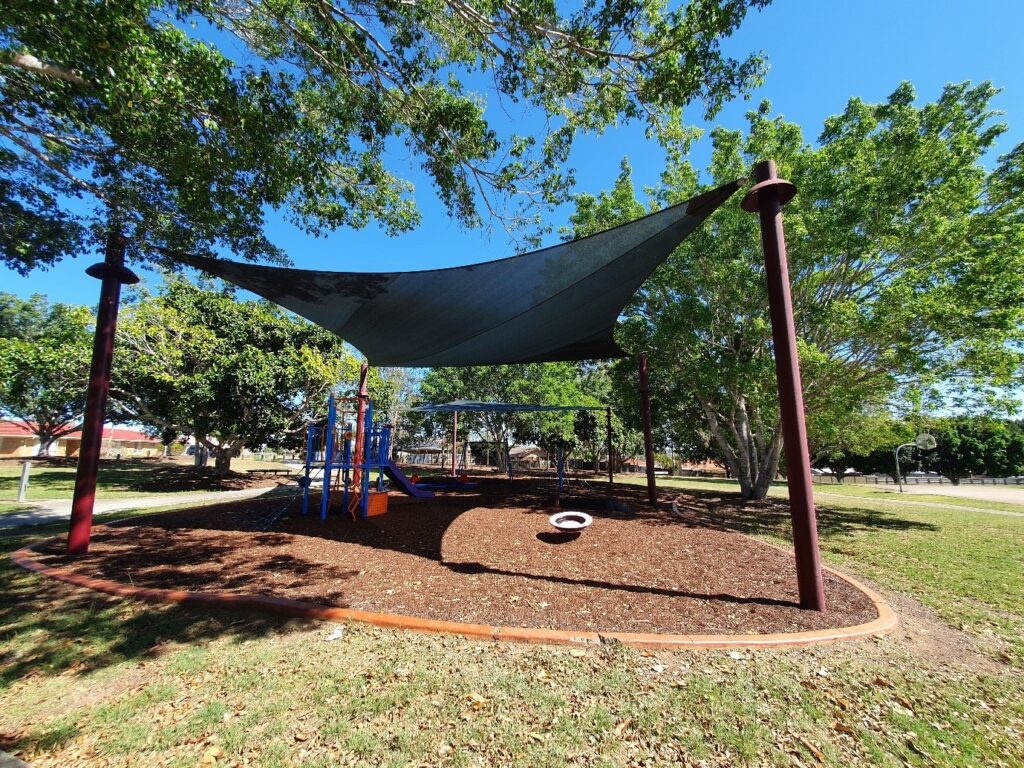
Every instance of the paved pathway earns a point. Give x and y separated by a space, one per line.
60 509
897 499
1008 494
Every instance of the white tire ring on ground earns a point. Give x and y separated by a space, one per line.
568 522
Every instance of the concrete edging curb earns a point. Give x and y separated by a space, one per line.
885 623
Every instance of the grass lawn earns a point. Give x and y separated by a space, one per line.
89 681
13 507
124 479
827 491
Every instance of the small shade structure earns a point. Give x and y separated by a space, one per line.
478 406
558 303
455 407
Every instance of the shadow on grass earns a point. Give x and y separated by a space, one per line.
50 628
771 517
133 476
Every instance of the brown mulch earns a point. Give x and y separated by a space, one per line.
487 557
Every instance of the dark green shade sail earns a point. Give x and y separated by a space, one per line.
558 303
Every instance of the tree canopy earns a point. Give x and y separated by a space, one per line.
230 373
44 365
139 111
906 263
966 446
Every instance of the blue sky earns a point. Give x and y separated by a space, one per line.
820 52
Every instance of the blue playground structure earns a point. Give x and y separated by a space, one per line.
349 450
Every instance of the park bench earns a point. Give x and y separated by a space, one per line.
268 471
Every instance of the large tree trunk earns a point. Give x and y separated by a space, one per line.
223 453
741 436
221 462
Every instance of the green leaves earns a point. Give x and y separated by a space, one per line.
45 352
539 383
229 372
182 124
905 260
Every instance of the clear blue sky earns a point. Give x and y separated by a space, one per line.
821 53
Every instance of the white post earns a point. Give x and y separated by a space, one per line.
23 488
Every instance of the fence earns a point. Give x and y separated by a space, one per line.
916 480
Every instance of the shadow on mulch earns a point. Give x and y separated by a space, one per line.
487 556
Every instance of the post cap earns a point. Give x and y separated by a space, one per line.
102 270
766 176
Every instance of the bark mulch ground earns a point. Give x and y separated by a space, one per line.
488 557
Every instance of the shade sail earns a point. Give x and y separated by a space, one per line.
477 406
558 303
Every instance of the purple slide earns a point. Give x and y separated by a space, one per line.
403 483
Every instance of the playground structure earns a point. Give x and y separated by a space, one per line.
348 453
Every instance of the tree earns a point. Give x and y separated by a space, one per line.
864 444
230 373
137 108
590 437
44 365
906 263
974 445
538 383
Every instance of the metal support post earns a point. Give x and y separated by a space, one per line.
325 497
455 442
310 447
113 274
766 198
23 485
645 407
608 423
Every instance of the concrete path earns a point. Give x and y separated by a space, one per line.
1008 494
60 509
905 502
6 761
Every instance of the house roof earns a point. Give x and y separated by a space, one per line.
558 303
10 428
14 429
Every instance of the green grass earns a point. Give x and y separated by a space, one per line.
121 479
925 498
826 491
11 508
88 681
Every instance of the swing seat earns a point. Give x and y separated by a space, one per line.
570 521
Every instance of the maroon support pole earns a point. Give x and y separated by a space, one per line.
359 454
455 441
112 273
645 407
766 198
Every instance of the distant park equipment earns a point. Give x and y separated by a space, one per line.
923 441
348 448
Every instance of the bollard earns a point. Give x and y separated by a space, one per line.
23 488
